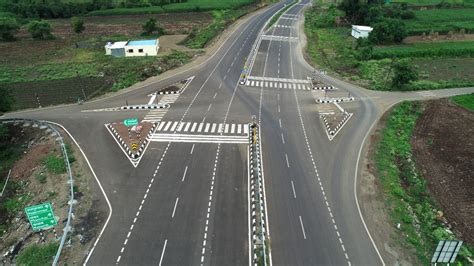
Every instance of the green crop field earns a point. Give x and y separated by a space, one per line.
441 20
191 5
460 48
433 2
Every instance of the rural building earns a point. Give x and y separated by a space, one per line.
133 48
360 31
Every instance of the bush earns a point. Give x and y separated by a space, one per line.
150 26
8 28
6 100
77 24
404 73
388 31
37 254
40 29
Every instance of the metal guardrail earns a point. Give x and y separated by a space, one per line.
67 227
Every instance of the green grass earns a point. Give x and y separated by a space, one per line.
55 164
190 6
431 2
278 15
36 254
466 101
222 18
451 49
406 194
441 20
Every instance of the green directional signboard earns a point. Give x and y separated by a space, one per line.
41 216
130 122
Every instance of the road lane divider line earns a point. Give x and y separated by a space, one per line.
185 170
312 159
302 228
293 187
287 161
163 252
174 209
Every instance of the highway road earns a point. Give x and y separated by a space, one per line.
187 202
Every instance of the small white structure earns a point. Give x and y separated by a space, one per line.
360 31
133 48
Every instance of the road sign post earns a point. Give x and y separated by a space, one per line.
41 216
130 122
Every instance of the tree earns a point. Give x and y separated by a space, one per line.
404 73
40 29
6 100
77 24
8 28
150 26
388 30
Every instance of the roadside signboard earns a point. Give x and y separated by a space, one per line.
41 216
130 122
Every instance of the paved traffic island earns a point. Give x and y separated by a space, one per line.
132 136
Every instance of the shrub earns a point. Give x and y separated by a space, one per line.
77 24
8 28
6 100
404 73
387 31
40 29
150 26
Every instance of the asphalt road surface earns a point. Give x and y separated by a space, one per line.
186 203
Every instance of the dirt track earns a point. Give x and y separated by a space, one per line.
443 145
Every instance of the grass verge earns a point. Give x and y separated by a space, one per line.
278 15
407 197
37 254
466 101
222 18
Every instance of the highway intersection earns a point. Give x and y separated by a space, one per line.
187 200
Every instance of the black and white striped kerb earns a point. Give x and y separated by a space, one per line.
335 100
168 92
324 88
136 107
256 191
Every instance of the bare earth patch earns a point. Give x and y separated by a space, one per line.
443 145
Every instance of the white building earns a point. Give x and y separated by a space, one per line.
360 31
133 48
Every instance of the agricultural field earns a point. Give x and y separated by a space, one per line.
434 2
422 183
33 70
437 59
441 21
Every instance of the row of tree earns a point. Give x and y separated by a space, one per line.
57 9
39 29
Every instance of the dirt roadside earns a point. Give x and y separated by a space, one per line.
39 176
373 207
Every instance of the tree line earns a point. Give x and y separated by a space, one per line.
58 9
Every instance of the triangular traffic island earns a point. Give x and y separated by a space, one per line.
133 138
334 122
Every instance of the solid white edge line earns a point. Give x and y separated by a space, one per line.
100 186
163 252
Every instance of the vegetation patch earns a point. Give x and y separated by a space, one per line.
278 15
435 49
407 197
441 21
466 101
37 254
